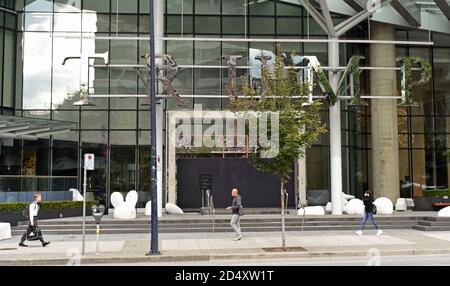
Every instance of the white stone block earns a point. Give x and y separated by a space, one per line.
148 208
5 231
410 203
384 206
173 209
124 212
355 207
76 195
124 209
116 199
329 208
132 199
347 197
312 211
444 212
401 205
344 203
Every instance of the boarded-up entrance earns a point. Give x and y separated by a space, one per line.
258 189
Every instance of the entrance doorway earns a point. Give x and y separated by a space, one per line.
258 189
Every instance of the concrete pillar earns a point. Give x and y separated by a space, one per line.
385 152
171 188
301 184
335 134
159 49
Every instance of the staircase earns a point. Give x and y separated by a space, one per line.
249 223
433 224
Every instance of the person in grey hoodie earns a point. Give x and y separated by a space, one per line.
236 210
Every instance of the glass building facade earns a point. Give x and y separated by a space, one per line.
36 37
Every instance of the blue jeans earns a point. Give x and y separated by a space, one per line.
366 218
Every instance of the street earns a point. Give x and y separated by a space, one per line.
417 260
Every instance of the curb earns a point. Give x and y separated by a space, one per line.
214 257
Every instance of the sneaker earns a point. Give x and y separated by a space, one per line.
23 244
44 244
238 238
379 232
359 232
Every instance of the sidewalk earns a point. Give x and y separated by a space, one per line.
66 250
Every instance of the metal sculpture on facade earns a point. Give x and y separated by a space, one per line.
232 80
264 59
169 70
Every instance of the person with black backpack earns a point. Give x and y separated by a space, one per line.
370 209
33 231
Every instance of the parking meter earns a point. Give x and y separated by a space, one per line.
97 213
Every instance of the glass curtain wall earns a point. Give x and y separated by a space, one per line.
424 130
51 32
36 84
8 34
240 18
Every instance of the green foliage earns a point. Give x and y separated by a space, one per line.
62 205
447 154
437 193
325 85
300 122
427 73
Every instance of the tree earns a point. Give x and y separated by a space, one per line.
299 120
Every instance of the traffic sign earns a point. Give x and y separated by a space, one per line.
89 162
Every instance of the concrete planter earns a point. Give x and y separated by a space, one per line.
15 217
426 203
423 204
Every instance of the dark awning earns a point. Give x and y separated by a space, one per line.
14 127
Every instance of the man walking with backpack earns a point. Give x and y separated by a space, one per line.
33 230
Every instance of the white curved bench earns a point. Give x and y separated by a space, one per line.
5 231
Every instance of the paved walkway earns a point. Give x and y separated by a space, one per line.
196 216
201 247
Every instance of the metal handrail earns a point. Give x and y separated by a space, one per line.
303 206
213 212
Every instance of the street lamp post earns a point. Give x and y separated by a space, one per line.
151 65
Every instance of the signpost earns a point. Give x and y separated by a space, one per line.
89 165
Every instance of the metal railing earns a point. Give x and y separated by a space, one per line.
213 213
302 206
208 207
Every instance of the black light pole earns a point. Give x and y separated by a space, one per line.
151 64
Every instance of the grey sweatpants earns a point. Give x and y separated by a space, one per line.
235 224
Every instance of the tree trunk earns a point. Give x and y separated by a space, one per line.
283 222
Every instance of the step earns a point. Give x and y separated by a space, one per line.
437 219
89 221
432 223
209 226
209 230
431 228
225 224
